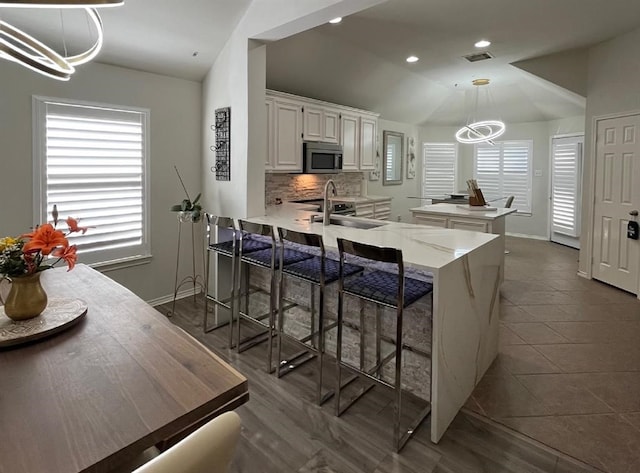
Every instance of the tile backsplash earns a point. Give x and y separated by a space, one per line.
306 186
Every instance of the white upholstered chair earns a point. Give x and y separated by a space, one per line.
207 450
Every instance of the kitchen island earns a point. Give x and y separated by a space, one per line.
463 217
460 322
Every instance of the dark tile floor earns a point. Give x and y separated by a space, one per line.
284 431
567 377
568 369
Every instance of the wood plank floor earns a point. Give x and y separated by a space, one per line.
284 431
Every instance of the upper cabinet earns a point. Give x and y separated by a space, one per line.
368 148
292 119
287 135
320 124
350 134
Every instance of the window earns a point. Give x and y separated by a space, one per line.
91 161
566 167
504 169
439 169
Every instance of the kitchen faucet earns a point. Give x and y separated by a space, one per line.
327 206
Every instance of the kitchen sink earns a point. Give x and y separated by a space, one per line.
348 222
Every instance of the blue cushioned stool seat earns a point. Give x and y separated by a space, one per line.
263 257
309 269
382 287
248 246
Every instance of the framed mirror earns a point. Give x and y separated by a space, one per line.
393 146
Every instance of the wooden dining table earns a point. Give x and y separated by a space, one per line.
121 380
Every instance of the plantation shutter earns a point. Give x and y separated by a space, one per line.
504 170
565 186
439 169
488 170
95 172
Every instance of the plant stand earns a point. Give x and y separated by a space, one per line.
193 279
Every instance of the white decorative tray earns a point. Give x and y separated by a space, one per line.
59 315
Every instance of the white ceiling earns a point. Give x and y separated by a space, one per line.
360 62
151 35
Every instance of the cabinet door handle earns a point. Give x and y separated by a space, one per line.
633 213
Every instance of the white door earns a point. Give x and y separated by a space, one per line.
617 194
566 192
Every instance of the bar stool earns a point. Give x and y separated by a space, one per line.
263 258
318 271
224 227
386 289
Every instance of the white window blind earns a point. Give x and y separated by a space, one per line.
504 169
439 169
93 167
566 173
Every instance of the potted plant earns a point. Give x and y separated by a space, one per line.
190 210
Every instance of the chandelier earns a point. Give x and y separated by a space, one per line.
20 47
478 131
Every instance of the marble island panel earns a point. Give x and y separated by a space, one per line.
463 318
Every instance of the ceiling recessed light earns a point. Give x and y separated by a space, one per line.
335 21
483 43
412 59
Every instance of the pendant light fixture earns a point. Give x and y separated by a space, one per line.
20 47
479 131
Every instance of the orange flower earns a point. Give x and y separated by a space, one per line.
67 253
73 226
46 239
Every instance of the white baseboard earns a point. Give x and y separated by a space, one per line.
522 235
582 274
169 298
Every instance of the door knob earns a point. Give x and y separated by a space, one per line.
633 213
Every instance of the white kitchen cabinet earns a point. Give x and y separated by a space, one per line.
350 134
321 124
457 217
358 140
368 137
364 209
382 209
287 135
422 219
378 208
354 129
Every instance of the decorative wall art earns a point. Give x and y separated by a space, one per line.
222 148
411 157
375 174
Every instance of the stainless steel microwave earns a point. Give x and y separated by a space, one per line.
321 158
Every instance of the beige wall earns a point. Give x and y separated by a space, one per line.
541 133
175 138
400 203
613 87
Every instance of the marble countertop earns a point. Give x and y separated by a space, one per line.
423 247
360 199
453 210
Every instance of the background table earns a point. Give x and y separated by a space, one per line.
120 381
